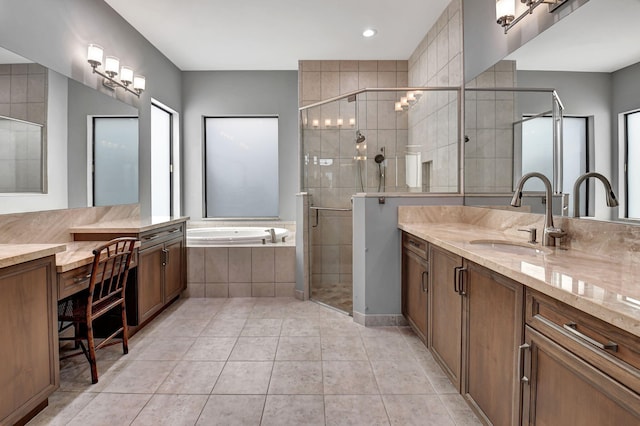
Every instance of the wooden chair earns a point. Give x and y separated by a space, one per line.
104 300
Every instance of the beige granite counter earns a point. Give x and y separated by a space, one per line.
604 285
77 254
128 225
14 254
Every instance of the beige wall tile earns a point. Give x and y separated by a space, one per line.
348 65
195 264
367 66
239 264
239 289
262 265
216 265
216 290
285 289
194 290
285 263
263 289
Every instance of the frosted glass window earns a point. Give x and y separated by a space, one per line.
633 165
241 167
115 160
537 152
21 156
160 162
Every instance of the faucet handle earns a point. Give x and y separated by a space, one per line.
533 233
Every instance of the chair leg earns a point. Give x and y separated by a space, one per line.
125 331
92 354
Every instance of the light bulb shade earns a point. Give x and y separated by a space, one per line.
505 11
94 55
403 101
126 75
139 83
411 97
111 65
398 106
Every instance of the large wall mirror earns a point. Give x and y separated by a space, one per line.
591 58
88 139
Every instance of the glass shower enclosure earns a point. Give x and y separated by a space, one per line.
360 143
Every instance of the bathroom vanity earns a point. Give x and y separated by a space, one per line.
528 334
28 314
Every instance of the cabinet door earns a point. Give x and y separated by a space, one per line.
494 323
29 370
564 390
174 281
445 334
150 275
414 276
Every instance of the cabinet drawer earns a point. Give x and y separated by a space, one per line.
73 281
608 348
161 235
415 244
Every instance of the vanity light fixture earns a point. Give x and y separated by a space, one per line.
111 69
339 122
505 10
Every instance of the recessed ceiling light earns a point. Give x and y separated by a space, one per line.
369 32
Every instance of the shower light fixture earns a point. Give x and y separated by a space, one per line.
369 32
111 69
506 10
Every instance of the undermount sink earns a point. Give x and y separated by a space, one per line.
513 247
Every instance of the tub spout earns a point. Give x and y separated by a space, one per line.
272 232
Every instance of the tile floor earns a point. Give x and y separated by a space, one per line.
338 295
259 361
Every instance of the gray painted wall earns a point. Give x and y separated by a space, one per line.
56 34
215 93
377 257
583 94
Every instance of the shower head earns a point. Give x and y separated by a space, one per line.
359 137
379 158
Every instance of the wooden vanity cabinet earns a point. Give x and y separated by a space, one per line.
29 371
161 274
493 333
415 270
577 369
445 319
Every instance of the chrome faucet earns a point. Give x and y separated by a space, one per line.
272 232
611 197
550 231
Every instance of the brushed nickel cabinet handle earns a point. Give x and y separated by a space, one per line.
458 280
521 349
82 278
424 290
413 243
572 328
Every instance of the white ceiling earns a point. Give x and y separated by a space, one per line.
600 36
275 34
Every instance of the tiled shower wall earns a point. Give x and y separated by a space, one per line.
433 120
23 92
489 118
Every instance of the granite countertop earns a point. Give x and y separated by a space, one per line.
14 254
604 287
129 225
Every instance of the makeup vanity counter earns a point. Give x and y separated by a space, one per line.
161 272
535 335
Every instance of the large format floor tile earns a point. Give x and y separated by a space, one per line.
259 361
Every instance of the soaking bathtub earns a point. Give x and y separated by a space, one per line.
233 235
